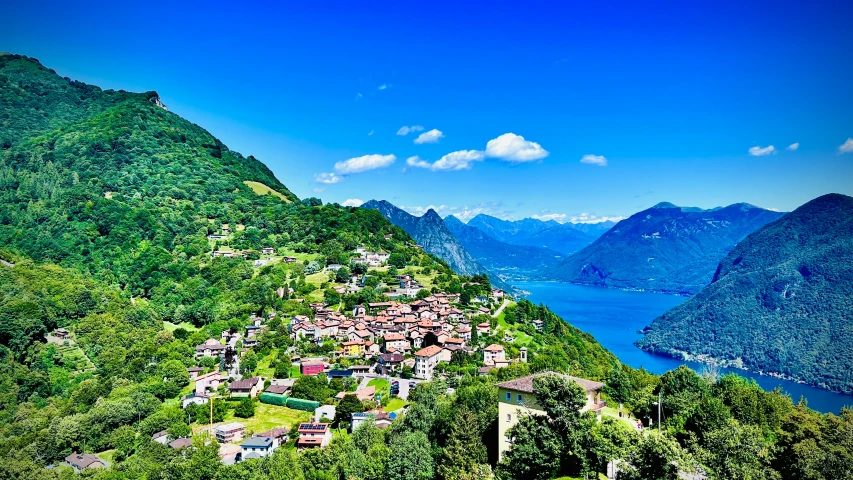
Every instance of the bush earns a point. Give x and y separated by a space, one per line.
300 404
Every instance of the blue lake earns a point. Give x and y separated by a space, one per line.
613 317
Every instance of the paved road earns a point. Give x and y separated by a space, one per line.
501 308
8 264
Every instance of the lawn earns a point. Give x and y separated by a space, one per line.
394 404
171 327
383 386
270 416
262 189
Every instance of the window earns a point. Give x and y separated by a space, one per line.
508 417
508 396
520 398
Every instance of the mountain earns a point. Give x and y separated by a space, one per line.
781 301
514 262
564 238
664 248
431 233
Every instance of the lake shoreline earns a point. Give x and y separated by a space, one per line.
616 317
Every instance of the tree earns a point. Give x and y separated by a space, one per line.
464 451
656 458
736 451
397 260
411 457
248 363
535 452
122 439
346 407
342 275
245 409
312 387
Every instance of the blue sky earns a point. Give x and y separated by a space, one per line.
671 96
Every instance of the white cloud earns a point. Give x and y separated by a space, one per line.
757 151
364 163
327 178
431 136
370 133
404 130
847 146
793 147
358 96
599 160
515 148
353 202
459 160
557 217
384 86
579 218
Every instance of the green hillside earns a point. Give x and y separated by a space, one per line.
781 301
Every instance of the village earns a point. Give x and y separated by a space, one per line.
376 353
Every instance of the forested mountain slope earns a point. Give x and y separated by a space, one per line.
514 262
781 301
430 232
664 248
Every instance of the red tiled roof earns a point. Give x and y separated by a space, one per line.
430 351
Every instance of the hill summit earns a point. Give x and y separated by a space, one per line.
780 302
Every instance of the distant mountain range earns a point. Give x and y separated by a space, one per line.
512 262
665 248
566 238
430 232
780 302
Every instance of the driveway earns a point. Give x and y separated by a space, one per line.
501 308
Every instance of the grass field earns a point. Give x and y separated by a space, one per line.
382 386
266 417
171 327
395 403
262 189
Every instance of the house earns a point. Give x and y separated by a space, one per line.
537 324
383 420
312 368
256 447
396 341
267 250
360 418
366 393
454 341
484 328
249 387
360 369
493 353
160 437
82 461
194 399
180 443
425 361
324 411
313 435
194 372
279 436
390 360
353 348
210 348
515 399
229 432
339 374
208 381
61 333
279 389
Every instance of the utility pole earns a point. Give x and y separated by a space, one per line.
660 397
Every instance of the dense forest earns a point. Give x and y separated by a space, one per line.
780 302
111 208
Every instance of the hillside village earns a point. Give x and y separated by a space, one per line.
369 358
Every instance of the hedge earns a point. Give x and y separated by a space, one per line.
300 404
274 399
